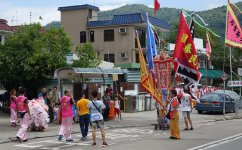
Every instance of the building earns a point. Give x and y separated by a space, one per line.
5 30
113 40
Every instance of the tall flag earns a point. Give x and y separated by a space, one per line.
156 6
208 46
185 56
151 45
146 77
233 31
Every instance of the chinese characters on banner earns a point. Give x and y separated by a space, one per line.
163 71
233 35
185 55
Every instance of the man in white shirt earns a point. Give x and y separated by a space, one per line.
186 108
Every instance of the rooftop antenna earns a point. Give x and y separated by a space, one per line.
16 17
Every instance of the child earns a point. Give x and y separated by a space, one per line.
117 108
56 110
13 117
66 116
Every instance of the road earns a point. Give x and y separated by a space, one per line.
222 135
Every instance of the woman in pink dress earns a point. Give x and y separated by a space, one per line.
23 114
13 116
65 112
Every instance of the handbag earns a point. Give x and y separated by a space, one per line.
20 114
96 116
168 115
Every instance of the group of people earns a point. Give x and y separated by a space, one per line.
185 98
36 114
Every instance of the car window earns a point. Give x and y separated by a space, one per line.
211 97
227 98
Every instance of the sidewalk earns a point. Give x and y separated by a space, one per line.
7 133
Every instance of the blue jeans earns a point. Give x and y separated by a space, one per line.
84 124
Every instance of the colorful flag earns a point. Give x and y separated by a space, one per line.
192 28
185 55
151 45
208 46
233 32
156 6
146 77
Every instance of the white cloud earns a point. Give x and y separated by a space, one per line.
151 5
22 15
109 7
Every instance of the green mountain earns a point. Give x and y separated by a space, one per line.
214 17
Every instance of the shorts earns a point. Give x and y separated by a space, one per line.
117 111
186 114
97 124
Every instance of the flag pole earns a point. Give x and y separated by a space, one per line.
206 70
230 63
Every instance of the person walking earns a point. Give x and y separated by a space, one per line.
95 107
174 116
13 116
53 100
23 114
65 112
84 117
186 108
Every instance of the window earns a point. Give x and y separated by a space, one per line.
90 14
142 39
109 58
108 35
91 36
83 37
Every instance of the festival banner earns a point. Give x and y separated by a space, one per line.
233 32
208 46
185 55
163 72
147 81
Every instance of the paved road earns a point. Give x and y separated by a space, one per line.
221 135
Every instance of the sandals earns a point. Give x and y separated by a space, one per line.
186 129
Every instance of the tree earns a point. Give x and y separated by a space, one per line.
87 57
31 55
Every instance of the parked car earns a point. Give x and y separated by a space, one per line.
214 102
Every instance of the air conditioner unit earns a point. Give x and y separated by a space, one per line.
122 30
123 56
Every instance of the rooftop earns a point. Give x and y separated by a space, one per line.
128 19
78 7
4 26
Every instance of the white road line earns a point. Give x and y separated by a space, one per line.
217 143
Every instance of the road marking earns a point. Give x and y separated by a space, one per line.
217 143
160 134
28 146
134 130
112 135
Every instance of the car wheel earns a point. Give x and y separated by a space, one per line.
200 111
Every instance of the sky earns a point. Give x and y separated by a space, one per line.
17 12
